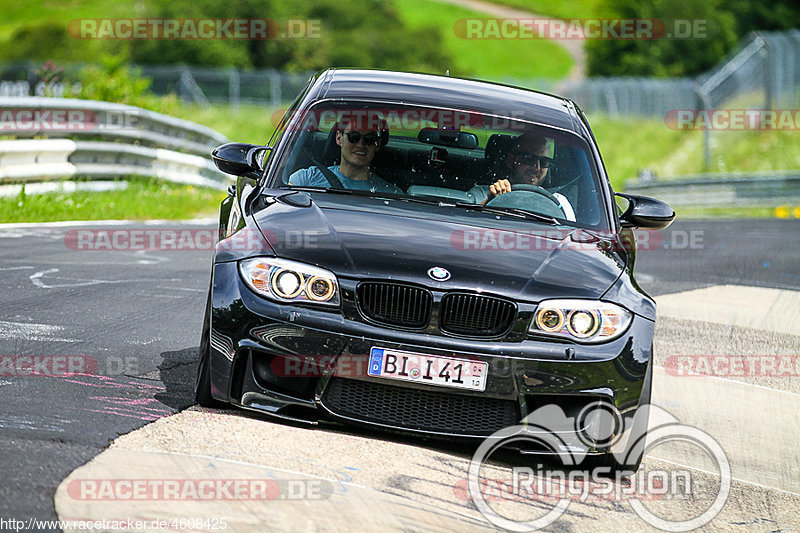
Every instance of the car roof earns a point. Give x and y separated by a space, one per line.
447 92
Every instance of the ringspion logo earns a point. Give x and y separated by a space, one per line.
562 437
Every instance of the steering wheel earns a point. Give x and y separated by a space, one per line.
529 197
537 190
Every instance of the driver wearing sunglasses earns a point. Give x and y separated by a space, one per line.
528 162
358 148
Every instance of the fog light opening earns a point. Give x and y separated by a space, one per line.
599 424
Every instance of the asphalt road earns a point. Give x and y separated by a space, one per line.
134 319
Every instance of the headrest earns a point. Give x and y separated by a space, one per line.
497 148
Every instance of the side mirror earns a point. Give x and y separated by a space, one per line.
645 212
238 159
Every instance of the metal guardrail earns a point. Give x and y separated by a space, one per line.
724 190
55 159
113 140
111 122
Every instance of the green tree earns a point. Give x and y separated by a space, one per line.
773 15
357 33
665 56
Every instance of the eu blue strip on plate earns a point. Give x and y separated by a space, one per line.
375 361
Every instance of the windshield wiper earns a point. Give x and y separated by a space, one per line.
510 211
370 194
317 189
506 211
427 201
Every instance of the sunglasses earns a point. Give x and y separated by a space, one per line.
369 138
532 159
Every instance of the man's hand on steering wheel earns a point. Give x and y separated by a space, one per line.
497 188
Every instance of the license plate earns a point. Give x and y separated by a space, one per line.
429 369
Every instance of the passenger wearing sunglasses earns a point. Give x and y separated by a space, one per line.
528 162
358 148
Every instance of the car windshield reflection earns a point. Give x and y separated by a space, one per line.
490 163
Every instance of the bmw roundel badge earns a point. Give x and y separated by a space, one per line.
439 274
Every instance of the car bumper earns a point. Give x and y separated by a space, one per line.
303 363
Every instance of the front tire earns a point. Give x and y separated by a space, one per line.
202 384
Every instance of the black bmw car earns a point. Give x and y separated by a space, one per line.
426 254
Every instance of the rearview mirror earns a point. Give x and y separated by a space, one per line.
645 212
239 159
451 138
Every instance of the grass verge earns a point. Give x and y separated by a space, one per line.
143 199
248 123
693 213
558 8
632 144
488 59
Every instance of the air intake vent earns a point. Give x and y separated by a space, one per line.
394 304
424 410
475 315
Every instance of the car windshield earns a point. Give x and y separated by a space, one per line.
456 158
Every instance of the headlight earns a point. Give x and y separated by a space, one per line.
581 320
289 281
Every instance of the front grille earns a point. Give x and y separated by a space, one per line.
395 304
475 315
419 409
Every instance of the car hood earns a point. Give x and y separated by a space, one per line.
403 244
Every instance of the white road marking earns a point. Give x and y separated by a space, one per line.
31 331
756 426
181 289
144 258
36 279
734 478
728 380
21 233
736 305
